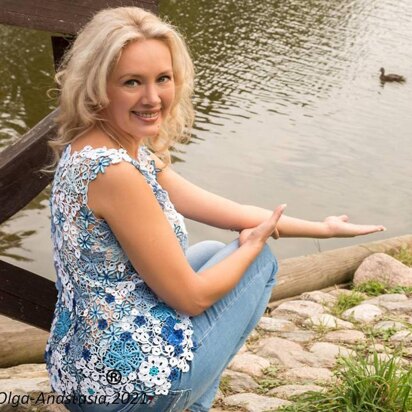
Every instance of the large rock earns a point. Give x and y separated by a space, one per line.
385 269
254 403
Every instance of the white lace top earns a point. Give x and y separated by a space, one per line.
110 333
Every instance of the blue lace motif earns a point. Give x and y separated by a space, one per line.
106 317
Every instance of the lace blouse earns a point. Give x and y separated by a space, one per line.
110 333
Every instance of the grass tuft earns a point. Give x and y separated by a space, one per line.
376 288
405 256
346 301
379 386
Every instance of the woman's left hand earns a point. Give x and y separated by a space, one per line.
339 226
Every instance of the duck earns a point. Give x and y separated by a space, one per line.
390 77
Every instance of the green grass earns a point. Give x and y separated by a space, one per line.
376 288
269 381
404 256
380 386
346 301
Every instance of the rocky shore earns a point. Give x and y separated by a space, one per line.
294 349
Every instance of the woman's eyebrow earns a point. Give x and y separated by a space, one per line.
163 73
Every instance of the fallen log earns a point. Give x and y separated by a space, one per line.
20 343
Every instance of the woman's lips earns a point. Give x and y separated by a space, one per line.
147 116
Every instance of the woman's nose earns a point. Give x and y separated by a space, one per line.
151 95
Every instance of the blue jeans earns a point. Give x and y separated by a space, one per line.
219 332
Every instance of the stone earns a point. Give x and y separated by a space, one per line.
301 336
309 374
328 321
385 269
328 352
388 297
338 292
389 324
25 378
319 297
288 391
403 336
288 354
252 402
276 325
249 363
345 336
239 382
383 357
401 307
363 313
299 308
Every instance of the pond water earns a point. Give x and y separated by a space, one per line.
289 109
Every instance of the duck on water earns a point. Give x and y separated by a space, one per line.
390 77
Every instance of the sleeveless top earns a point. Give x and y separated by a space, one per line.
110 334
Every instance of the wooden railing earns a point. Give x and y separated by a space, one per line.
24 295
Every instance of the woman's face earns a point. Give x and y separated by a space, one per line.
141 89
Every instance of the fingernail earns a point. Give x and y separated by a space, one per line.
383 229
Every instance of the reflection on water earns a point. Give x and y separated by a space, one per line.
26 73
289 109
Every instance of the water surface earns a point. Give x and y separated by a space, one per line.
289 110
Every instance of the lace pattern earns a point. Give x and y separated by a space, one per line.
106 318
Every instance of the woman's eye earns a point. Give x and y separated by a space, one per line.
164 79
132 83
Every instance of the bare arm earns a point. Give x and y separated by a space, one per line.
124 199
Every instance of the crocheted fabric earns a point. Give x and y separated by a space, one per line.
110 333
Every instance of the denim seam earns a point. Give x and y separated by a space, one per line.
233 301
181 393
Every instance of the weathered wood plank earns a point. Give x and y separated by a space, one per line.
61 16
20 164
25 311
28 286
26 297
332 267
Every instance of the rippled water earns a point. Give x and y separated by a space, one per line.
289 109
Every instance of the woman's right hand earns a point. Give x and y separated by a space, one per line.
259 234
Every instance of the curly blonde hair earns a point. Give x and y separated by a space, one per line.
86 66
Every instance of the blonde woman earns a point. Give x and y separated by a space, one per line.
143 322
